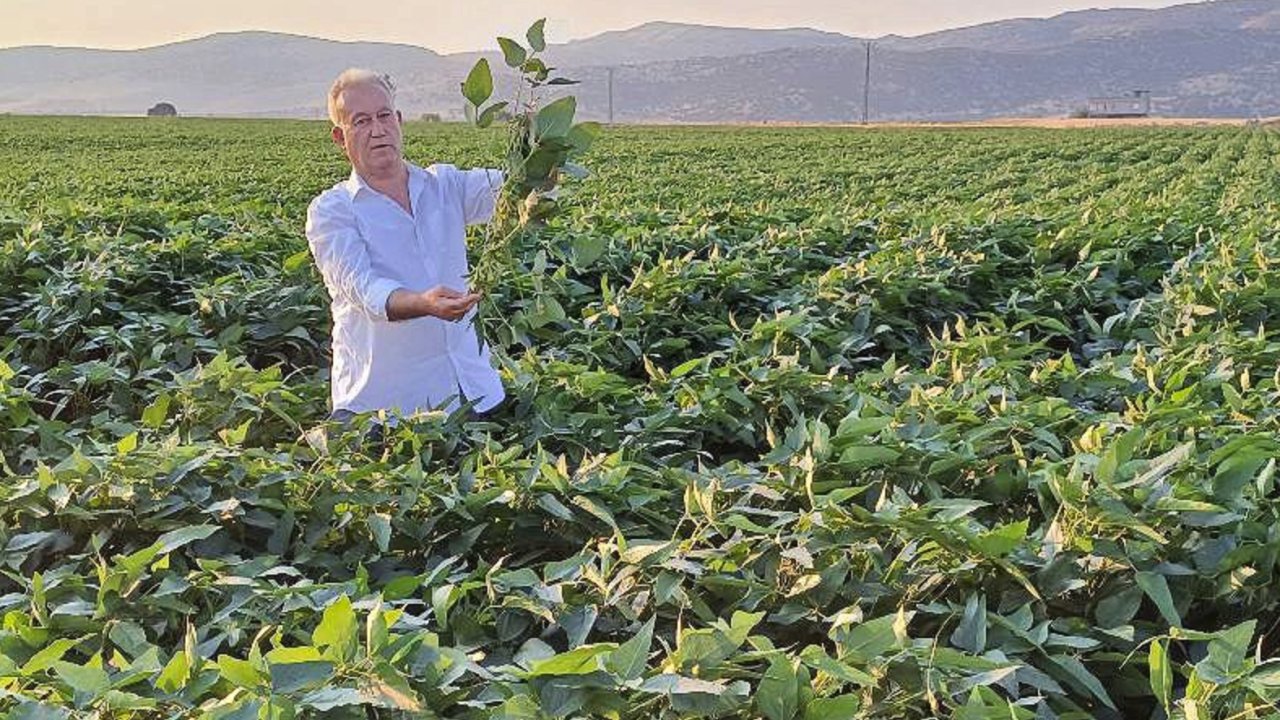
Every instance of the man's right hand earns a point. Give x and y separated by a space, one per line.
440 301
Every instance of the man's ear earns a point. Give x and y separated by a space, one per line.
339 138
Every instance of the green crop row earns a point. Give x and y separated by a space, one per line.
803 424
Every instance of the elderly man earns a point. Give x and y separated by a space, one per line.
390 244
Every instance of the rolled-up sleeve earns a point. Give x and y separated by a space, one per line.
480 190
343 258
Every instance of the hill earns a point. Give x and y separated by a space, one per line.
1203 59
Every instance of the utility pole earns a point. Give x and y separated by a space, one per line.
866 88
611 96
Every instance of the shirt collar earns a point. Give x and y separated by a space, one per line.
355 183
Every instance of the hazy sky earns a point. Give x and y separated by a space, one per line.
472 24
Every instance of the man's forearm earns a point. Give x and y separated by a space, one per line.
406 305
440 302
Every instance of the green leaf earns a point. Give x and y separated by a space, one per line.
490 114
587 248
703 646
292 677
971 634
478 86
949 509
533 650
582 136
1161 674
672 684
176 673
182 537
338 634
535 68
741 624
127 444
855 427
520 707
581 661
538 167
1119 608
442 599
536 35
1267 674
1003 540
861 457
513 53
380 527
631 658
37 711
1157 588
240 672
297 261
818 659
552 505
377 628
591 505
391 691
1080 675
328 698
1160 467
402 587
975 709
867 641
154 415
1120 452
1237 470
777 696
47 656
841 707
1227 658
575 170
129 637
120 700
91 681
555 119
691 697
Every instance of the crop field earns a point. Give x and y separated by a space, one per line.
802 424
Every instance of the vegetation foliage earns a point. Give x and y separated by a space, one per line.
803 424
542 138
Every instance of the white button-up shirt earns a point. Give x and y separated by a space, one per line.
366 246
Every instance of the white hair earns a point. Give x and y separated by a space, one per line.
357 76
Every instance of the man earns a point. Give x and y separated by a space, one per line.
390 243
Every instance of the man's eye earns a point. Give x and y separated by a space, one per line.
362 122
384 116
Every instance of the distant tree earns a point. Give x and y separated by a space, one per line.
163 109
1079 113
431 117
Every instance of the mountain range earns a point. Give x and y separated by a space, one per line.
1207 59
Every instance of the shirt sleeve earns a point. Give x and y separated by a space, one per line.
343 258
480 190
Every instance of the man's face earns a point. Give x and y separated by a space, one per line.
370 130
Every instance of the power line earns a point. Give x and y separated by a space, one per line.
610 96
866 88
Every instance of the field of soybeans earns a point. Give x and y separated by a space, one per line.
802 424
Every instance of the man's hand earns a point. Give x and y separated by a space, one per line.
449 304
440 301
